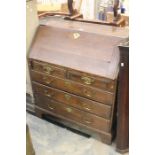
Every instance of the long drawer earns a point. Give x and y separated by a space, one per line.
73 113
73 100
73 87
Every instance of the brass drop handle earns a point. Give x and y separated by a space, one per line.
69 110
47 80
52 108
48 69
67 97
87 80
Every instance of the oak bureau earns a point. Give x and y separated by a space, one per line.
74 69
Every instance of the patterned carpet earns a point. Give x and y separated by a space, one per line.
50 139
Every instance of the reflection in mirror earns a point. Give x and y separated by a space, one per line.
100 11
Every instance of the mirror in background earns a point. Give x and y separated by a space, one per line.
97 10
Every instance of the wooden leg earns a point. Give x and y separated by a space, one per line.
106 138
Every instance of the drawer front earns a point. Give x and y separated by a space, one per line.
73 87
48 69
73 100
73 114
90 80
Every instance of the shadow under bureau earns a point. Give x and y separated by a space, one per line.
74 69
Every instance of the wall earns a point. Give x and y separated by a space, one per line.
31 26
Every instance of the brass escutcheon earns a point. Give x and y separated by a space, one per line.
69 109
48 94
67 97
87 93
76 35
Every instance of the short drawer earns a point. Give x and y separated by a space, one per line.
90 80
73 100
75 88
48 69
73 114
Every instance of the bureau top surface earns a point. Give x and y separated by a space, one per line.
90 52
87 27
